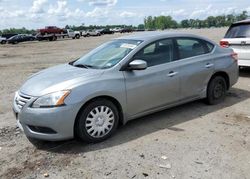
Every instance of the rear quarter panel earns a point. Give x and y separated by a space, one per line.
225 63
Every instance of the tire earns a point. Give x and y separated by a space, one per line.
98 112
216 90
77 36
3 42
54 38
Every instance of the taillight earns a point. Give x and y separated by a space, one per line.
234 56
224 44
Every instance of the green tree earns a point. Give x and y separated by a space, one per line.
185 23
141 26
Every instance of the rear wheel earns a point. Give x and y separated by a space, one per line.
97 121
216 90
3 42
54 38
77 36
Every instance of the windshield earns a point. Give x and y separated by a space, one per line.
238 31
107 55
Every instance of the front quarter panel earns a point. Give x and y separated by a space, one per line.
110 84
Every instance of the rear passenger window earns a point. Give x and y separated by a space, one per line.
189 47
157 53
210 46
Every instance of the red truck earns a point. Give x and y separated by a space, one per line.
51 30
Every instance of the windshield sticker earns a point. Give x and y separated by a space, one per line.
131 46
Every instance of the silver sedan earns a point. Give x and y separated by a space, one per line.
122 80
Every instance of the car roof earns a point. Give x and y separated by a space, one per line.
242 22
148 36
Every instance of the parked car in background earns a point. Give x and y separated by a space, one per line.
117 29
106 31
7 36
3 40
51 30
126 30
73 34
238 38
91 33
83 33
122 80
139 30
20 38
53 37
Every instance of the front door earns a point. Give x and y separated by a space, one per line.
156 86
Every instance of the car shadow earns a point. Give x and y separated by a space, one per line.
244 72
167 119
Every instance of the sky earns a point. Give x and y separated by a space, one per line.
34 14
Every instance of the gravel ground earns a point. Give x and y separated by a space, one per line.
190 141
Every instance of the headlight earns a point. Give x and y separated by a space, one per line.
51 100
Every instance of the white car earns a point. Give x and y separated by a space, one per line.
238 38
117 29
3 40
73 34
91 33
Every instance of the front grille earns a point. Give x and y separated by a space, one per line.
21 100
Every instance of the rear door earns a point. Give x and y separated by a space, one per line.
238 38
196 66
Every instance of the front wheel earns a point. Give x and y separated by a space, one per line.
216 90
98 121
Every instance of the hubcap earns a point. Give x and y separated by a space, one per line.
100 121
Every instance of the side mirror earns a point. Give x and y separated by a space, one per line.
137 65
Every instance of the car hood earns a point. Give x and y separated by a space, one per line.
57 78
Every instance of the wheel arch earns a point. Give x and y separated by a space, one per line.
224 75
110 98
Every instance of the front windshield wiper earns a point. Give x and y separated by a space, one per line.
83 66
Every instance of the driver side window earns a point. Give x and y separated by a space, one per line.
157 53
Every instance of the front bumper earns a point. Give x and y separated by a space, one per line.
50 124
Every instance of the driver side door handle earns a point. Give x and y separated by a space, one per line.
172 73
209 65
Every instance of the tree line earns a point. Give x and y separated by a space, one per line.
152 23
166 22
17 31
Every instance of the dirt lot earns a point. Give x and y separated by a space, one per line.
190 141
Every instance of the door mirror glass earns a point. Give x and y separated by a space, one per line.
137 65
